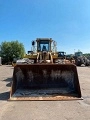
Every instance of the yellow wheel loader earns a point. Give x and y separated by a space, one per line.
43 75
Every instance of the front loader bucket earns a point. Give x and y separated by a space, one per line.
45 82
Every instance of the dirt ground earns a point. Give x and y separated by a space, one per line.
44 110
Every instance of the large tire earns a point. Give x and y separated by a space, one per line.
79 61
87 62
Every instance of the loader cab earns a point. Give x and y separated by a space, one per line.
78 54
61 54
43 45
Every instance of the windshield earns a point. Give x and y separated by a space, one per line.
43 45
78 54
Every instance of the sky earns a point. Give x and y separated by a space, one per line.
65 21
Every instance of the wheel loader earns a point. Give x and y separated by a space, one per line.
43 75
80 59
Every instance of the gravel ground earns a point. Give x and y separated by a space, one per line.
44 110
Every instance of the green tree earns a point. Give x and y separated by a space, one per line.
11 50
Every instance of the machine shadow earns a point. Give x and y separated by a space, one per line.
9 80
5 95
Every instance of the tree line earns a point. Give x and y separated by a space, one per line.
11 50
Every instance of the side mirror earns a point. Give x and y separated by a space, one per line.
33 43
